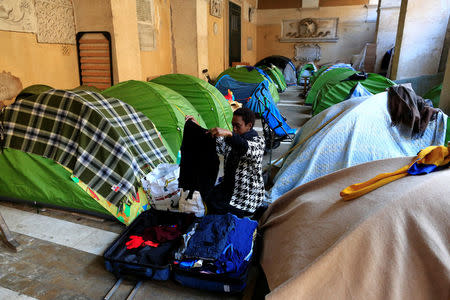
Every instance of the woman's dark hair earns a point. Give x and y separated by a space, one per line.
248 116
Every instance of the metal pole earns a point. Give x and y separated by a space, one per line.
113 289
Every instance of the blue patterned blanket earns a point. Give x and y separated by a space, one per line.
361 132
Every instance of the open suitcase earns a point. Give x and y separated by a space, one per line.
138 264
226 267
146 262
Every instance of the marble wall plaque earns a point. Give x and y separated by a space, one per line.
145 11
307 53
17 15
55 22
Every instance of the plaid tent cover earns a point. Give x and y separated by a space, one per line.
105 142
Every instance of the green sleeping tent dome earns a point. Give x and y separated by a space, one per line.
277 77
307 70
434 95
56 171
334 75
207 100
163 106
335 92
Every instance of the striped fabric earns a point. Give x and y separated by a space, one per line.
105 142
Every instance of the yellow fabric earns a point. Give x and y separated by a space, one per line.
131 207
437 155
434 155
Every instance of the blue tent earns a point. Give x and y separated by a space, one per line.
257 97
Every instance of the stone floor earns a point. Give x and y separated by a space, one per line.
61 252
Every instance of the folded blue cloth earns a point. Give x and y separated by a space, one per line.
235 256
210 237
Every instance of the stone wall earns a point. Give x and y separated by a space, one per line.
356 27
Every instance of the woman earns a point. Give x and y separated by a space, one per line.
242 190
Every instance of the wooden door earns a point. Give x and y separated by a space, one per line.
234 33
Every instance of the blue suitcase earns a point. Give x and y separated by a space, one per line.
218 254
227 283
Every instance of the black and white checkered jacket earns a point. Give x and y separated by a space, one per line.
248 190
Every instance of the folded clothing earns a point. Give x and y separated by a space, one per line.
210 237
220 244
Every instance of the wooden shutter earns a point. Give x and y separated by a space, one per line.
95 59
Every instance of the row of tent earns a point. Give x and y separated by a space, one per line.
331 84
334 83
142 123
89 149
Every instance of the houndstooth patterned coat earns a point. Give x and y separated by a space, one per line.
248 191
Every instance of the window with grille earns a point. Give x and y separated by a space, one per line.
95 59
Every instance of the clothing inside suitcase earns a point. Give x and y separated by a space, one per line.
211 253
145 249
217 254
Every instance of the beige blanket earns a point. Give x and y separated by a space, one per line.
393 243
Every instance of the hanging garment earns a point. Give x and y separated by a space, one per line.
410 110
199 163
243 186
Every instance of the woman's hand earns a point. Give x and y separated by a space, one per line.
216 132
190 118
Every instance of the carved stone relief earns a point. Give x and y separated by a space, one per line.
216 8
10 86
309 30
307 53
55 21
248 12
17 15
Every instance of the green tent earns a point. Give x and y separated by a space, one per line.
306 67
35 89
335 92
87 88
253 76
207 100
434 95
277 77
319 72
72 167
335 75
163 106
48 183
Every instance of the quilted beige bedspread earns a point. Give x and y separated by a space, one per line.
392 243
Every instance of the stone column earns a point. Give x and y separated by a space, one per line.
387 23
190 36
420 38
202 36
126 40
444 102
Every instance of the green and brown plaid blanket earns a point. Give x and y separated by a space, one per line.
105 142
